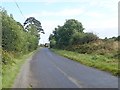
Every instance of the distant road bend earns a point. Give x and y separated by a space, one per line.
48 70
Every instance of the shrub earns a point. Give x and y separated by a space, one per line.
52 43
7 58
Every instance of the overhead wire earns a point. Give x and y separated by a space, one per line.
19 9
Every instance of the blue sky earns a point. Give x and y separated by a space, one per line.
97 16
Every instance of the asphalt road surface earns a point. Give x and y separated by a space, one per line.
49 70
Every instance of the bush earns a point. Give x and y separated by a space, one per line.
82 38
7 58
52 43
90 37
117 55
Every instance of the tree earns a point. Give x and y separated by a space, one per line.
16 39
33 27
71 33
74 25
77 38
62 34
32 22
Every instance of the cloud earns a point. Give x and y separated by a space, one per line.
48 26
64 12
95 14
46 1
104 23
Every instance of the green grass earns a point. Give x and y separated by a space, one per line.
0 75
98 61
9 72
0 82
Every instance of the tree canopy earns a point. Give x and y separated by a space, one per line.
71 33
15 38
31 21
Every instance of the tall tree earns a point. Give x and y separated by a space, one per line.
33 27
63 34
71 33
31 22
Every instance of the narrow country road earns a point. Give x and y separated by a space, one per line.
48 70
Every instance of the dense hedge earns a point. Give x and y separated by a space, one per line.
16 40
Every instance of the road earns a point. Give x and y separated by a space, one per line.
48 70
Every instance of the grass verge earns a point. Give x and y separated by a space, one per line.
98 61
10 71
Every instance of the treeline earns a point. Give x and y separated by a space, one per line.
71 36
18 39
71 33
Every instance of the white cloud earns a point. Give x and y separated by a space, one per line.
65 12
95 14
46 1
90 16
48 26
104 23
103 28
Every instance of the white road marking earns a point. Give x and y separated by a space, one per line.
73 80
76 82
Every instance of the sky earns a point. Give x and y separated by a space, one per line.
97 16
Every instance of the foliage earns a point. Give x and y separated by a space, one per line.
33 26
16 40
7 58
52 43
10 71
71 33
82 38
71 36
118 38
